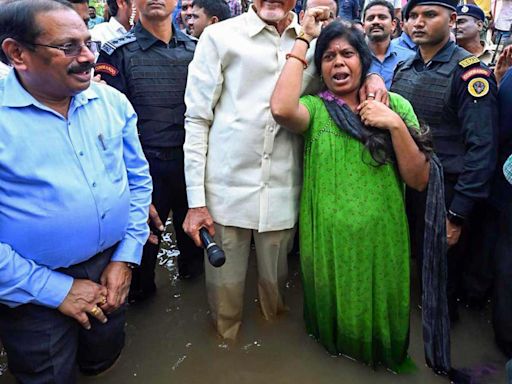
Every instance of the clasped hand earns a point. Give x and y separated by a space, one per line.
89 298
376 114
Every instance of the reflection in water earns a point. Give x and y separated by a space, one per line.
180 360
170 340
3 360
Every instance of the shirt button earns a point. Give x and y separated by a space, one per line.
102 244
94 184
271 130
266 156
81 153
103 215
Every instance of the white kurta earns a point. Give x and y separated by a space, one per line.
238 162
107 31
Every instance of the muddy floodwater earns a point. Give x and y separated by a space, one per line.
170 340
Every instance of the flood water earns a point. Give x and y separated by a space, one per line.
170 340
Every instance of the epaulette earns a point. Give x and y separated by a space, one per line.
110 46
468 61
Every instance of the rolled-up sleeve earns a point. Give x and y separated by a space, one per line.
140 185
22 281
204 86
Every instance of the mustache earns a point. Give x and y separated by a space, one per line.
79 68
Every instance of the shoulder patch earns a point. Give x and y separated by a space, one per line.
474 72
478 87
469 61
106 68
110 46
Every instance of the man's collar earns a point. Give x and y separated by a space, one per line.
256 24
407 40
15 95
146 39
389 51
444 55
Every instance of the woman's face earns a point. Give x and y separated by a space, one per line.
341 67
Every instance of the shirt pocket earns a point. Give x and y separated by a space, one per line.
111 152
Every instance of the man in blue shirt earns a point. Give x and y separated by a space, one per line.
74 196
378 26
404 40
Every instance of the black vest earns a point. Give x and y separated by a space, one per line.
430 93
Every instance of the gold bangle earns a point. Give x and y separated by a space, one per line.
304 62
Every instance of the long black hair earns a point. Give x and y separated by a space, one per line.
377 141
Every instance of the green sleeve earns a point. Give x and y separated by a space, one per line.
312 105
403 107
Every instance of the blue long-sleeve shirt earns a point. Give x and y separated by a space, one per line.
69 188
405 41
386 68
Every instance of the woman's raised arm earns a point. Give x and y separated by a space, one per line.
284 103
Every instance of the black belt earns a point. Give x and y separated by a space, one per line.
163 153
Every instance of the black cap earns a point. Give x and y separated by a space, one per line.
471 10
450 4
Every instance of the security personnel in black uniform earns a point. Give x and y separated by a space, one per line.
150 66
455 95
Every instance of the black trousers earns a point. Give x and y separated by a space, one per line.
458 255
502 292
166 167
45 346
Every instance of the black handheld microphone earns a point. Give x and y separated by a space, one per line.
216 255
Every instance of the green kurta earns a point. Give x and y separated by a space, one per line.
354 244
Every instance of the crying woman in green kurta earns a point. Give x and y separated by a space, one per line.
353 228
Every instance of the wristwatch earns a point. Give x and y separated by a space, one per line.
304 36
454 218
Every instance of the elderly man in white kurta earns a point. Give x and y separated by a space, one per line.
241 167
243 171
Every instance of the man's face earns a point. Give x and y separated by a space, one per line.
468 28
186 11
155 9
198 21
48 71
92 12
83 10
273 11
430 24
378 23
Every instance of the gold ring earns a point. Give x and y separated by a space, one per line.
95 311
103 300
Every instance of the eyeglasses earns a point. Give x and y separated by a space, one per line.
74 49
